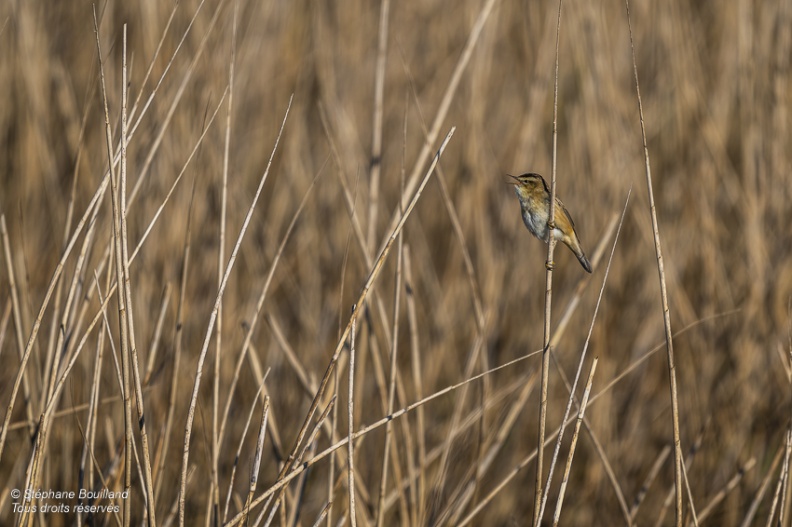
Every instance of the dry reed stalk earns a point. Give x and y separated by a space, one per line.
367 429
445 104
373 274
392 381
204 348
307 382
318 426
368 254
473 418
678 461
44 303
351 423
155 339
783 510
239 449
118 373
302 482
415 363
760 493
672 491
721 494
689 496
309 386
568 467
408 506
393 355
217 433
258 376
151 223
451 209
259 305
376 128
466 490
177 352
117 363
90 439
548 310
780 486
650 477
336 388
133 355
331 471
408 502
104 300
311 443
97 195
257 459
323 514
581 361
525 461
440 478
472 282
121 300
51 348
48 411
4 320
606 464
516 408
167 119
167 68
18 331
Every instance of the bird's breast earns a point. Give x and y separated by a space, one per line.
536 223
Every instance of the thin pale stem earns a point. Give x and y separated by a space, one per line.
351 422
257 459
392 383
239 450
373 275
575 435
678 461
366 430
537 517
376 128
212 319
582 359
133 355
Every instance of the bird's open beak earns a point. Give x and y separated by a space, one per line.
514 178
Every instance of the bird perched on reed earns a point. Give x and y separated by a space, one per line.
534 196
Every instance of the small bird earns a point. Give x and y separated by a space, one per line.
534 197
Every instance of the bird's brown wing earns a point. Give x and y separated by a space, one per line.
565 212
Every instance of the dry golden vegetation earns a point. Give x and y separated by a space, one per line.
459 292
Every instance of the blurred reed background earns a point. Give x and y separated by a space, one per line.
715 83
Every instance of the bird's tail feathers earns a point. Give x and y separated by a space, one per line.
584 261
